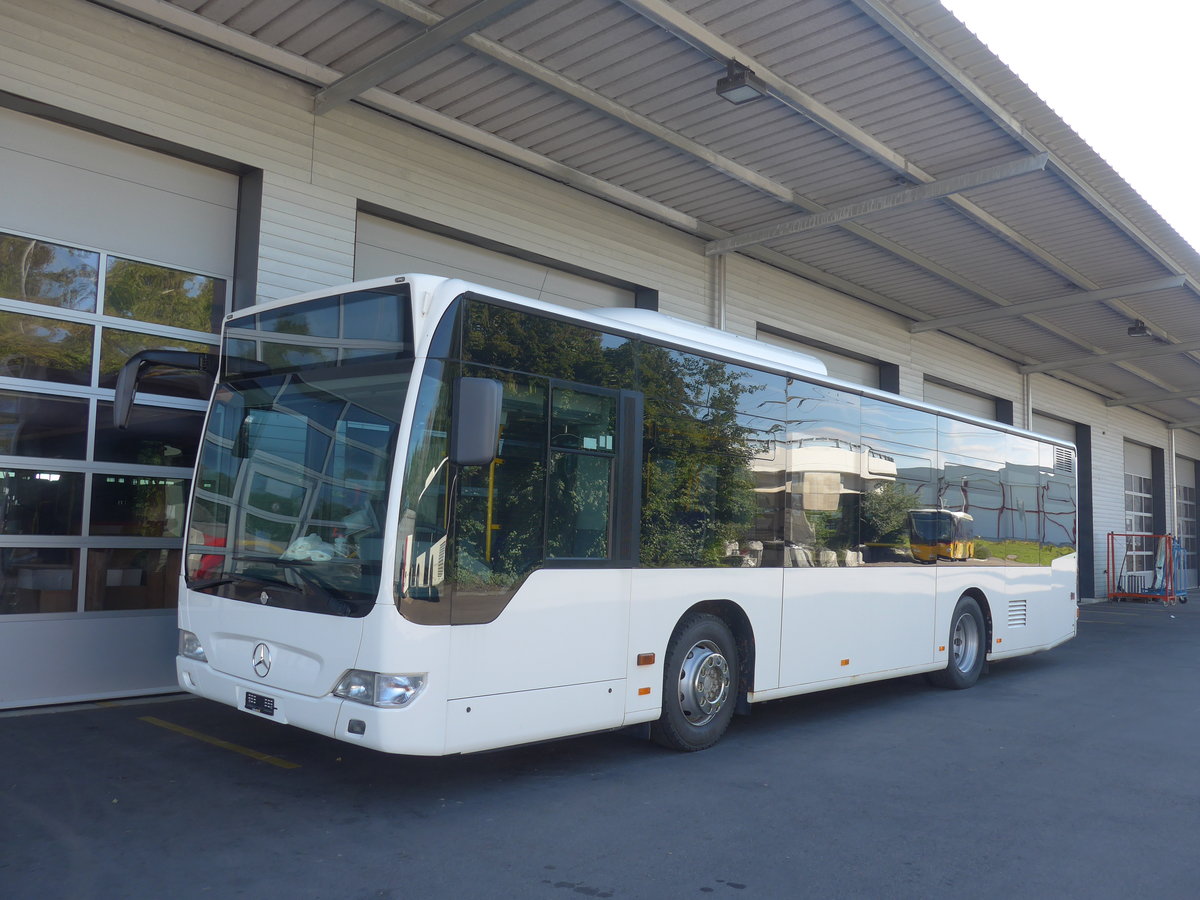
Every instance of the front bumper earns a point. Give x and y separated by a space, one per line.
417 730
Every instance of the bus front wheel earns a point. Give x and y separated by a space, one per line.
968 645
700 685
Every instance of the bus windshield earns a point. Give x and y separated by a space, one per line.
292 482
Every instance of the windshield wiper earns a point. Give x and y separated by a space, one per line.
339 601
275 561
232 577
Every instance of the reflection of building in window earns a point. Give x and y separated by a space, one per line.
809 492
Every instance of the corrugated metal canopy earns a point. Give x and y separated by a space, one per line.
868 104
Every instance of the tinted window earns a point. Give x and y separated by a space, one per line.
500 509
579 488
150 293
41 425
46 349
511 339
968 439
138 505
117 346
889 423
155 436
36 502
40 272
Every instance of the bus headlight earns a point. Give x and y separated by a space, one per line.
190 646
375 689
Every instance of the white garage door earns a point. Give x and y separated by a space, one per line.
385 248
1064 431
1185 519
105 249
1138 566
960 400
838 365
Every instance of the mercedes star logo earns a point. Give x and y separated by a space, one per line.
260 659
264 597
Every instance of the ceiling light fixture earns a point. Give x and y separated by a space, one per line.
740 85
1139 329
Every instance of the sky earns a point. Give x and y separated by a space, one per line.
1124 75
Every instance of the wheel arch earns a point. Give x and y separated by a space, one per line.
986 608
738 622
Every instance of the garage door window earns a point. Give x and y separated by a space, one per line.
91 518
52 274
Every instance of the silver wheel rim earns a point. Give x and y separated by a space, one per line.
964 642
703 683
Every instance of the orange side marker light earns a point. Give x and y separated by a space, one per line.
642 692
645 659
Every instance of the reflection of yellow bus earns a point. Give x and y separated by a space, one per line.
937 534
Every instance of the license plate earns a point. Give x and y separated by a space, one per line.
260 704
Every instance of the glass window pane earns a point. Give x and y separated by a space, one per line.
45 349
511 339
48 273
138 505
578 505
117 346
132 579
155 436
38 580
34 502
968 439
41 425
316 319
500 509
889 423
149 293
816 412
284 357
376 316
901 484
583 421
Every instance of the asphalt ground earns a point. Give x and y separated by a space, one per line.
1068 774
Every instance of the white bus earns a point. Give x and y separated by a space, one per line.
431 518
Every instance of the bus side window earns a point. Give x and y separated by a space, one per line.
499 509
583 428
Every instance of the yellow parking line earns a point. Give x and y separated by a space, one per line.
217 742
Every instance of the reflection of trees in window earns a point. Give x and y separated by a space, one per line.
116 347
579 490
45 349
697 480
510 339
149 293
885 520
500 508
48 273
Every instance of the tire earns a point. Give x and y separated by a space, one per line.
968 647
700 685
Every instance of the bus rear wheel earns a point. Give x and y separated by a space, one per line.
968 645
700 685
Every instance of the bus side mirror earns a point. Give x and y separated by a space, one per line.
476 428
143 362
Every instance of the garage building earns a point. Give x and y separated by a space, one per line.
871 185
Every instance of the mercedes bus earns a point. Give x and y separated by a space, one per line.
429 517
